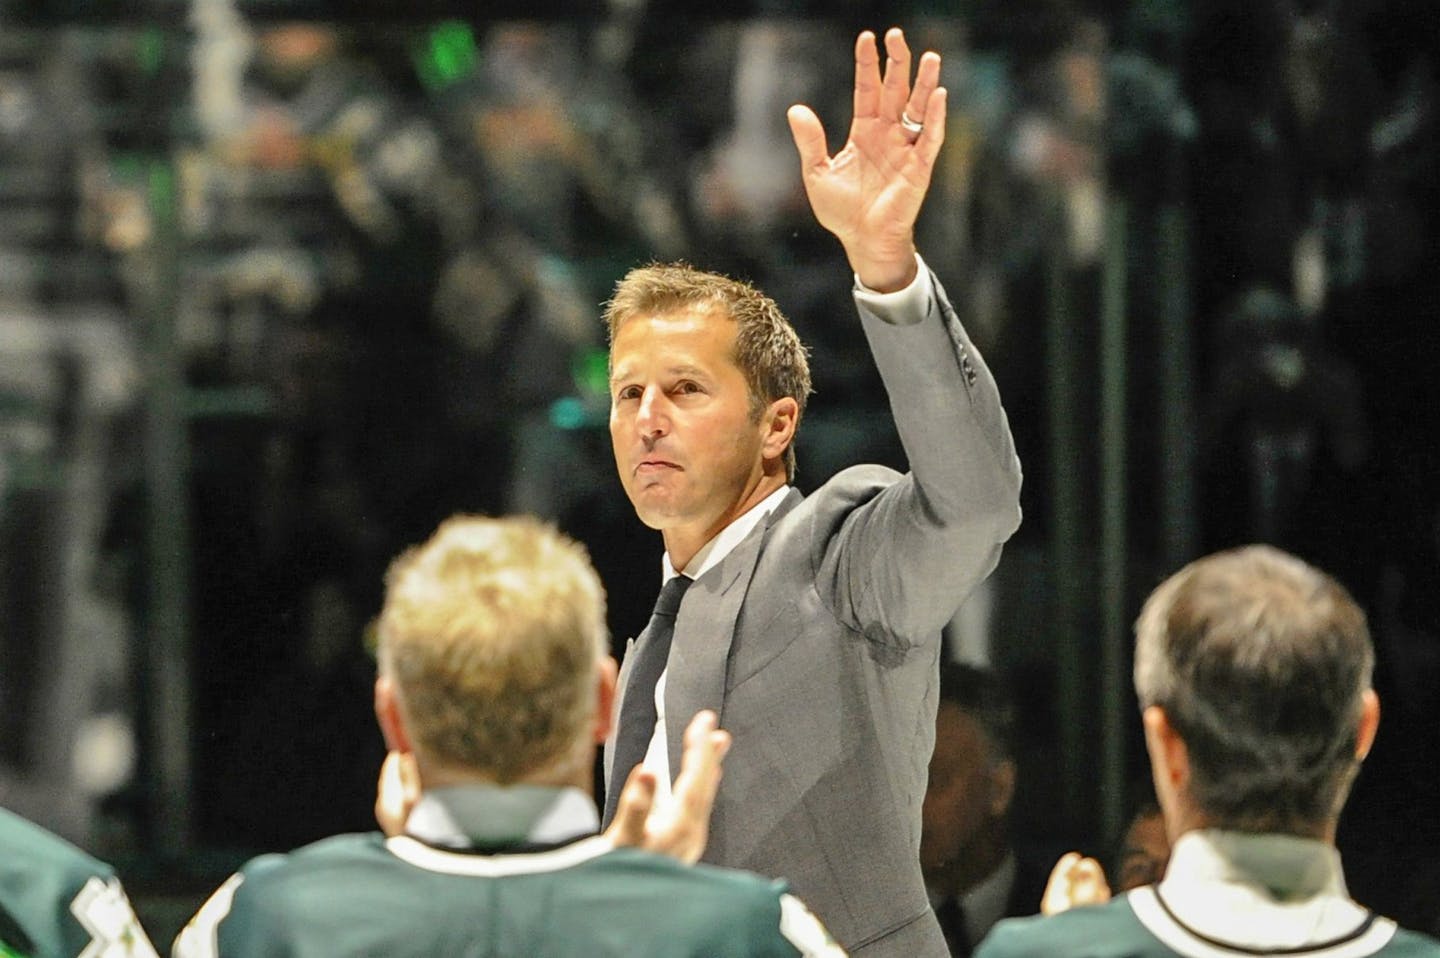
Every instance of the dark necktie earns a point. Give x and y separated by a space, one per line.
952 922
637 711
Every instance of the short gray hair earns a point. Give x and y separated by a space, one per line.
1260 662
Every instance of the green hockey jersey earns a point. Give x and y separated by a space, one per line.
58 902
365 895
1225 894
1136 926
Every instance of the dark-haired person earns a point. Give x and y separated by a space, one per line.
1253 673
811 623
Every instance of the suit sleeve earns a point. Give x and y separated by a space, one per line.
904 560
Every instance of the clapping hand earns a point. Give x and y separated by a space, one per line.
680 826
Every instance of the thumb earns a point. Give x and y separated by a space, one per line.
809 137
633 809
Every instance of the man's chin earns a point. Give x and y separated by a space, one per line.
657 512
657 523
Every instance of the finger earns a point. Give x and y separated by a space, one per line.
809 137
409 778
701 770
385 787
933 135
686 830
700 759
867 75
701 725
1088 884
1063 867
396 792
927 78
633 808
896 90
1057 889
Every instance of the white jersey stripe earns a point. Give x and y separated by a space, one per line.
496 866
201 937
1176 936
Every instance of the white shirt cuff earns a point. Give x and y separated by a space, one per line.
903 304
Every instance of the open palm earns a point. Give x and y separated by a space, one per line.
870 192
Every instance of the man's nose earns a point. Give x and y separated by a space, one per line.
651 417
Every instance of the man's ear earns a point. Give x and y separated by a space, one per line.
1369 723
1169 760
606 680
388 714
780 420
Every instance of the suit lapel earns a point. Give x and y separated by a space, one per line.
704 633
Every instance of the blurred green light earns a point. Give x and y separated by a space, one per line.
449 54
567 413
590 371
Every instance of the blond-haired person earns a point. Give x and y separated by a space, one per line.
494 690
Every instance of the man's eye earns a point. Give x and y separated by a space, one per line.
687 387
629 392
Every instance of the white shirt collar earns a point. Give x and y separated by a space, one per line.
1284 867
724 542
1267 891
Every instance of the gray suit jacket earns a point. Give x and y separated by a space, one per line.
816 641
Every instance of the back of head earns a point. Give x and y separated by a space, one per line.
491 633
1260 663
767 349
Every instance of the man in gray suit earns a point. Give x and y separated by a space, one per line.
813 622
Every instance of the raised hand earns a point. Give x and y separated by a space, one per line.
870 192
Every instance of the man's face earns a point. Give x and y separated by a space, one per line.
964 800
686 445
